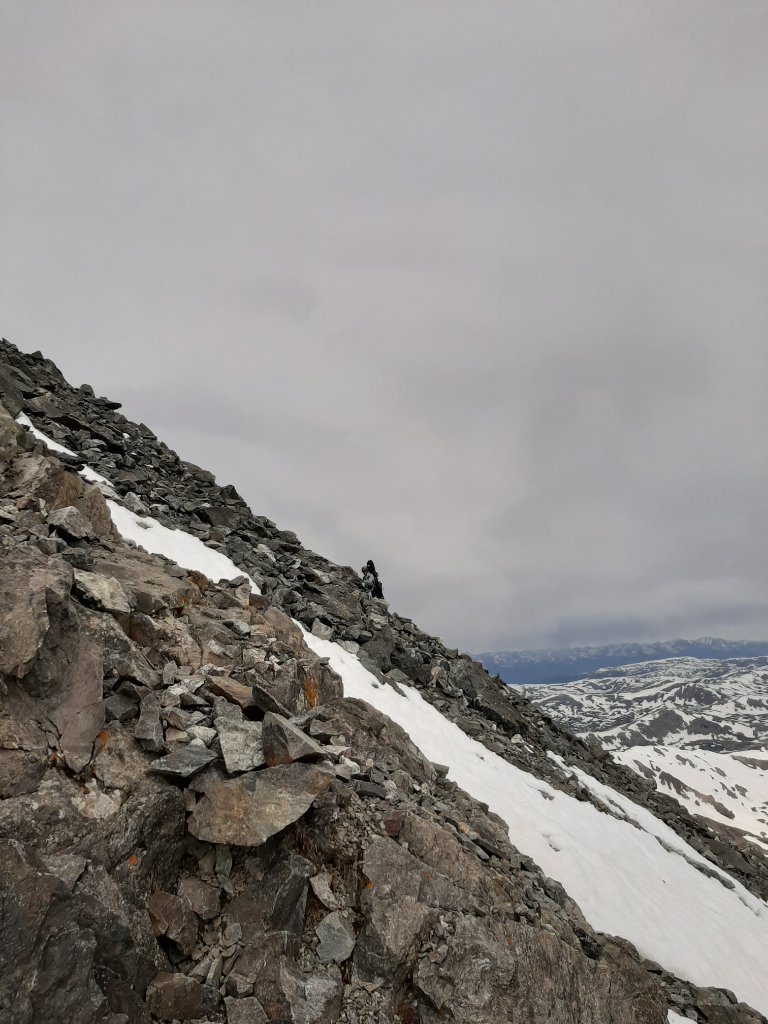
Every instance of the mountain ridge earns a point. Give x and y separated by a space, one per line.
567 664
193 667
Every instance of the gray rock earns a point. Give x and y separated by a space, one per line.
173 917
204 899
266 701
105 592
337 939
71 523
241 740
321 630
284 742
248 810
32 587
178 997
321 887
245 1011
149 730
67 867
184 761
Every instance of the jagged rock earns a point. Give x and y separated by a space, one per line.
241 740
105 592
173 917
31 586
315 998
71 523
245 1011
321 887
201 897
277 903
232 691
183 761
178 997
337 939
10 395
248 810
149 730
284 742
265 701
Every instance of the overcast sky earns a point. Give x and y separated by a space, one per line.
478 290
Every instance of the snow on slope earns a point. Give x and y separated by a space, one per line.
626 882
25 421
698 729
187 551
728 788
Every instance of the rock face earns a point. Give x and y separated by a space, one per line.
196 825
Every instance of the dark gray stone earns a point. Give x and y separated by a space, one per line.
184 761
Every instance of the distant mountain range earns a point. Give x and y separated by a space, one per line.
564 665
697 728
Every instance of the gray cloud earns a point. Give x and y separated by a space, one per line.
475 291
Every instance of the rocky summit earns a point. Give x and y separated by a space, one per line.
236 789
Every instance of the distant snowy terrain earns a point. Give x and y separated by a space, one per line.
631 874
698 728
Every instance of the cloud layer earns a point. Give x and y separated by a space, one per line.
477 291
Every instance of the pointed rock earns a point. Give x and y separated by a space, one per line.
248 810
241 740
149 731
284 742
185 761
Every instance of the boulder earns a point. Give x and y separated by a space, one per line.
337 939
248 810
284 742
69 522
31 585
201 897
178 997
241 740
105 592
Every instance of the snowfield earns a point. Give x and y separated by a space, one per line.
630 874
625 881
728 788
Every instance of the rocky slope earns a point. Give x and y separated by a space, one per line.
565 665
197 824
697 728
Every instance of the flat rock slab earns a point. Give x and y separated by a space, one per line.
248 810
284 742
231 690
183 762
105 592
241 740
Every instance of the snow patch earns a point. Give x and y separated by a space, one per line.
187 551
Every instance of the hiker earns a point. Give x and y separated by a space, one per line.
371 581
